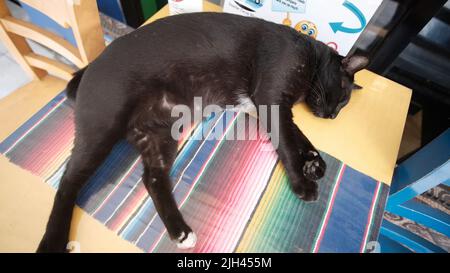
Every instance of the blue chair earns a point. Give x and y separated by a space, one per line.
424 170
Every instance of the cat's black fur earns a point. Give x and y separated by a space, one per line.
129 89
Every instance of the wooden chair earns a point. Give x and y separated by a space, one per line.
79 15
424 170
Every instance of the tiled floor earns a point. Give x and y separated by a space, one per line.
11 74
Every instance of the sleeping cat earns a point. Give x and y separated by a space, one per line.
129 90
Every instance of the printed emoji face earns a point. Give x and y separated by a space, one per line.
307 28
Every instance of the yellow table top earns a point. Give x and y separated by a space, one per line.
367 133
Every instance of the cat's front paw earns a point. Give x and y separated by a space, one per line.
307 190
314 167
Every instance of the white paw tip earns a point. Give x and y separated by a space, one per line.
73 247
189 242
308 164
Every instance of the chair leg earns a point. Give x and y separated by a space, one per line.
18 47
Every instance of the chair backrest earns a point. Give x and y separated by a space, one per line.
79 15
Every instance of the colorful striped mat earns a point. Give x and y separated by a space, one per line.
233 193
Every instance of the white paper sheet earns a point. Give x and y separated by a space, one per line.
337 23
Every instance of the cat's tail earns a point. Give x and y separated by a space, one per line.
72 86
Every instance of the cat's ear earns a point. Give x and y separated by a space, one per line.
354 63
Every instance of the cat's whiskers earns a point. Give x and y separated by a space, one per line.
317 93
322 91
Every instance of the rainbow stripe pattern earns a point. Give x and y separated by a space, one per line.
233 193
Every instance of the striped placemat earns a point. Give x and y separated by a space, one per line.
233 193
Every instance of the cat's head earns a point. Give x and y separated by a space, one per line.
332 83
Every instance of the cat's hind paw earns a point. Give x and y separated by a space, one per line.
186 241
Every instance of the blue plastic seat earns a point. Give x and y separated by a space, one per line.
424 170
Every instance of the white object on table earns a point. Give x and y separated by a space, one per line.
184 6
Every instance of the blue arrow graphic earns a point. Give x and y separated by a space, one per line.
338 26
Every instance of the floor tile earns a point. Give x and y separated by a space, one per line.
3 49
11 76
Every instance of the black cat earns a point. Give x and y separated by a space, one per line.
129 90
